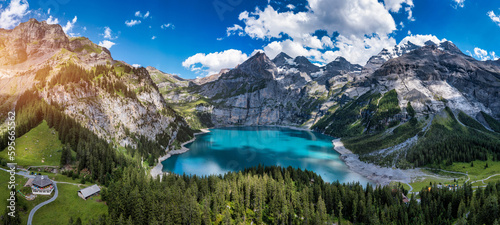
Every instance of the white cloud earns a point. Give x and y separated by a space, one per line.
358 17
11 15
212 63
420 39
107 44
136 65
410 13
290 6
458 3
139 14
396 5
494 17
48 11
131 23
108 33
358 50
483 55
52 20
154 37
236 29
69 25
326 41
364 28
167 25
354 49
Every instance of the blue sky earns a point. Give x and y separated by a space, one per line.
199 37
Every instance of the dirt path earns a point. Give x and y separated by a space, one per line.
482 181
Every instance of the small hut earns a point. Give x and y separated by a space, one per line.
89 191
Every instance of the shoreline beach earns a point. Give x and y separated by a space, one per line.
158 169
379 175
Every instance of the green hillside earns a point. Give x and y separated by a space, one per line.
39 147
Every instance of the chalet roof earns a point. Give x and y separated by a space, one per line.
88 191
41 181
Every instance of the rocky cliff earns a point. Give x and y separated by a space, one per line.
389 103
114 100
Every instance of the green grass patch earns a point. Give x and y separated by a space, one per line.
425 182
189 107
22 202
40 143
478 170
89 49
77 38
405 186
68 205
4 191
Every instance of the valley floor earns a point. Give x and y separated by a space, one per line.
379 175
478 174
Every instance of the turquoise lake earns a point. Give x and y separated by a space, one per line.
235 148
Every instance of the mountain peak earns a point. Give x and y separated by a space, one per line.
341 64
429 42
282 59
450 47
302 60
282 55
258 65
340 59
34 39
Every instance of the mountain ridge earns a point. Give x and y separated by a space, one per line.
119 103
122 104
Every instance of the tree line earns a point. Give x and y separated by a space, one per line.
455 143
276 195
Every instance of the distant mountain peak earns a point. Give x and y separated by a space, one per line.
341 64
259 65
282 55
340 59
429 42
450 47
282 59
259 58
302 60
34 39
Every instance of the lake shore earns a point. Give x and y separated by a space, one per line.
379 175
158 169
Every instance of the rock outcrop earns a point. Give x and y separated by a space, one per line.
119 104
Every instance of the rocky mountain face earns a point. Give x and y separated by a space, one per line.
288 91
389 103
34 41
433 77
261 91
114 100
